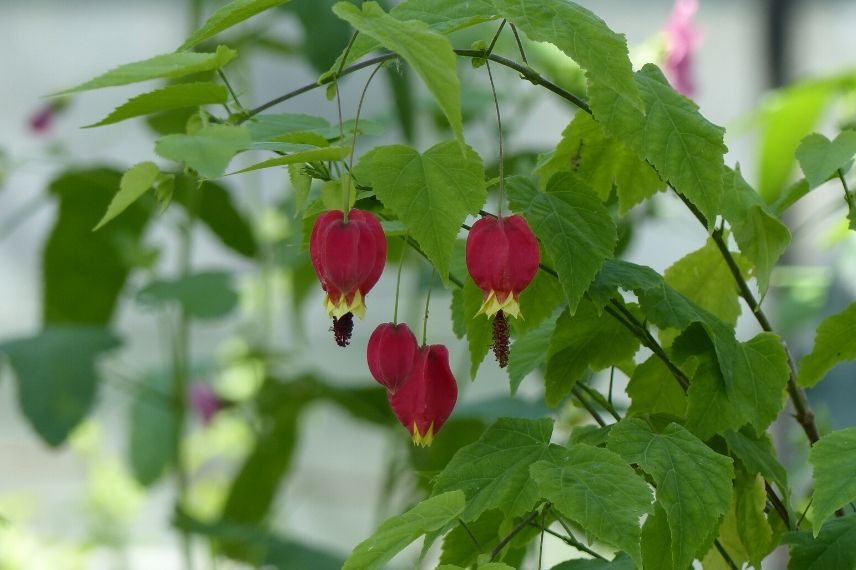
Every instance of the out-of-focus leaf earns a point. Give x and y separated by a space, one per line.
528 352
214 207
204 295
57 380
620 562
317 154
84 272
151 445
821 158
260 547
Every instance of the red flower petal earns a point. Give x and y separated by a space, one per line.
392 353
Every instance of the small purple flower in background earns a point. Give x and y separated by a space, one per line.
682 39
204 401
42 120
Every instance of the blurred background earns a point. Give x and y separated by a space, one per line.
338 464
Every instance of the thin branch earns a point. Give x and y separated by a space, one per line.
525 71
472 536
572 540
231 91
514 532
495 37
579 394
804 414
725 555
600 400
519 44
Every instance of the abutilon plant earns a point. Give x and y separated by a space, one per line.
348 254
392 353
502 258
425 401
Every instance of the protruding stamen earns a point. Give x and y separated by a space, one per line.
500 344
342 329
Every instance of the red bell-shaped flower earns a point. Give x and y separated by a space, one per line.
392 353
502 258
348 257
425 401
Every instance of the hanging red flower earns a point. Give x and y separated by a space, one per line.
392 353
348 257
425 401
502 259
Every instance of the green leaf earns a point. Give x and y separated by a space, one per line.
538 302
271 127
704 277
528 352
209 151
833 460
432 192
657 541
693 481
134 184
494 471
84 272
479 328
262 548
227 16
653 390
821 158
429 53
753 528
319 154
786 116
56 376
164 66
168 98
686 149
759 389
596 489
586 39
573 226
582 341
214 207
204 295
759 233
603 161
833 549
834 342
443 16
458 546
757 455
253 489
151 434
399 531
620 562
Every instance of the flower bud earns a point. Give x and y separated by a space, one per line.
392 353
425 401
